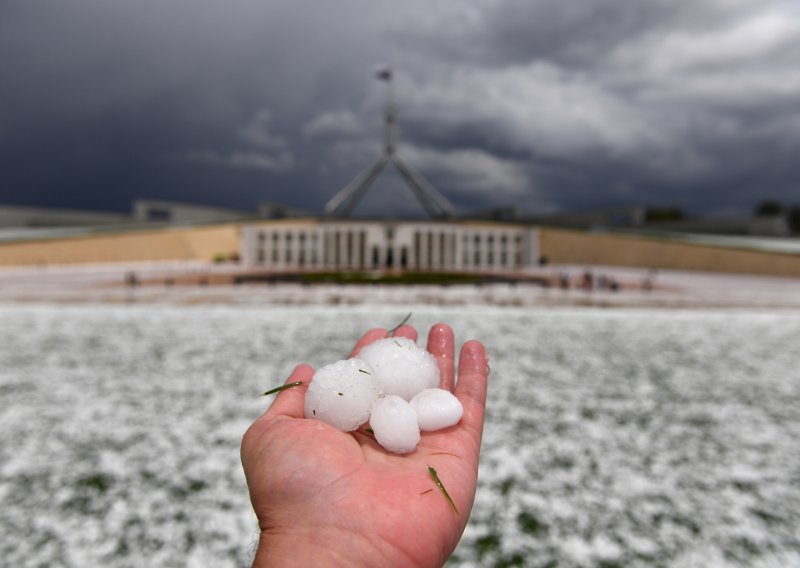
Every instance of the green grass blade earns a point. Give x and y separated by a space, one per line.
438 481
283 388
401 324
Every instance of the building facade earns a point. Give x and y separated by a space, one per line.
351 245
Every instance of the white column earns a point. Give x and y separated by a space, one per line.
412 253
453 249
268 248
342 248
310 247
352 249
497 248
423 249
458 262
295 249
302 247
318 244
325 246
434 236
468 250
484 251
332 250
504 249
278 246
444 262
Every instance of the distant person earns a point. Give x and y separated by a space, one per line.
587 281
329 498
649 280
564 280
131 280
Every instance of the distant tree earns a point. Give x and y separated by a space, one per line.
769 208
794 218
655 214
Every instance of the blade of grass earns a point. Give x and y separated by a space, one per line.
438 481
283 388
401 324
446 454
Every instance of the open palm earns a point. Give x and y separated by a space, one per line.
329 498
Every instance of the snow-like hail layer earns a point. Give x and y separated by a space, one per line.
394 424
402 367
629 437
341 394
436 409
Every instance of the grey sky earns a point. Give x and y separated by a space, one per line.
548 105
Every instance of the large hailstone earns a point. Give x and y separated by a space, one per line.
403 368
436 409
342 394
394 424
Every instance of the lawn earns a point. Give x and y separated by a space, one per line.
613 437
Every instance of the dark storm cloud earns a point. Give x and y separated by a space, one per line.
548 105
645 103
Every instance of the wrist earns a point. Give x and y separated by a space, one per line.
326 547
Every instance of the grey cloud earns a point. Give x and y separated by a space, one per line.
544 103
334 125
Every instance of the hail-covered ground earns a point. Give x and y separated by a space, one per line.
613 438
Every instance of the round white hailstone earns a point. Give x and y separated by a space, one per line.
403 368
394 424
436 409
342 394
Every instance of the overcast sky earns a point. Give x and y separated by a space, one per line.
550 105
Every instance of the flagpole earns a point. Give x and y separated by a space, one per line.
391 113
434 203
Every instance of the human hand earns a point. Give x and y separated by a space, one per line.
329 498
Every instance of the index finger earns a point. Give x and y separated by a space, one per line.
371 336
290 402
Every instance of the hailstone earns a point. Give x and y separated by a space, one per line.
342 394
394 424
436 409
403 368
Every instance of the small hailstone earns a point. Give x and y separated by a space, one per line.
394 424
403 368
436 409
341 394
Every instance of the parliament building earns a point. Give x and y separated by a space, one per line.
355 245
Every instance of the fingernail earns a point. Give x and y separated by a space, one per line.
475 357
